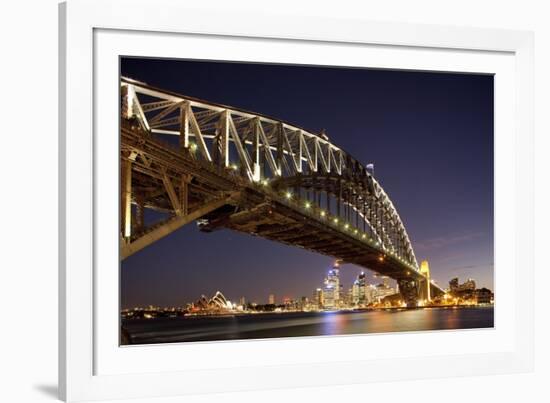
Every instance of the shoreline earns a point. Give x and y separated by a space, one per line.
338 311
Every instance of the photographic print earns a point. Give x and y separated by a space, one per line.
271 201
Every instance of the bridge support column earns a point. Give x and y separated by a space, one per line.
409 291
126 196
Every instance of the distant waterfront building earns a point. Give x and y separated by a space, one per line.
359 290
329 301
370 294
218 303
347 300
318 298
381 291
468 285
304 303
484 296
271 299
355 293
332 292
464 291
453 285
242 301
362 283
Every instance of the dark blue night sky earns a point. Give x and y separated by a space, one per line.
429 135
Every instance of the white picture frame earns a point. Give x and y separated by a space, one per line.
92 366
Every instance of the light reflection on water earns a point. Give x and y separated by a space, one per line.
165 330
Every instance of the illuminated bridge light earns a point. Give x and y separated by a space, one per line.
288 195
363 236
234 167
381 258
265 182
193 147
323 213
355 231
335 221
346 226
307 204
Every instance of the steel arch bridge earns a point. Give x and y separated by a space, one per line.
229 168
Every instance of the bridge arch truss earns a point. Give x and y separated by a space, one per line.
284 161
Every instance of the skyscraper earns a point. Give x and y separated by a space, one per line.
359 290
271 299
318 298
362 281
332 291
355 293
453 285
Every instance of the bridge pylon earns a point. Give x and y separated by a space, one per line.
409 291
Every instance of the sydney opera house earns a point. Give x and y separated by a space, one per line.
215 305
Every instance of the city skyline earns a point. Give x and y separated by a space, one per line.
439 172
279 299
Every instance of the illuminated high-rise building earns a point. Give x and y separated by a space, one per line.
271 299
332 291
362 281
371 293
318 298
355 293
328 296
304 303
453 285
359 290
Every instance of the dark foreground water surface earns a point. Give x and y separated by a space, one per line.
259 326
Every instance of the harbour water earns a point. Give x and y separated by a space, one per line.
270 325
